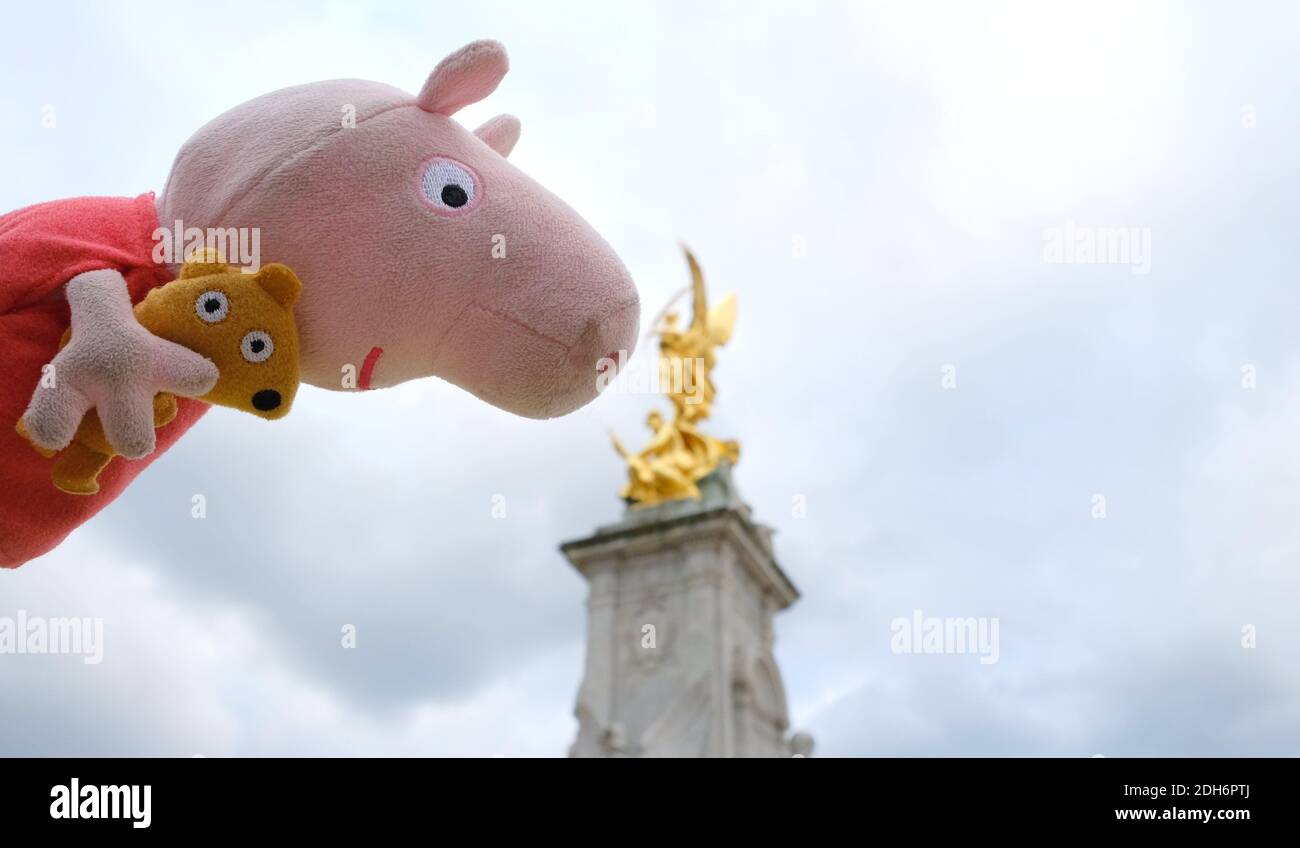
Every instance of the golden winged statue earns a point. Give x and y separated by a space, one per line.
678 455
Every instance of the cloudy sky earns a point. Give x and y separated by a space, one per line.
880 185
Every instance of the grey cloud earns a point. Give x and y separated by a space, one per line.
921 181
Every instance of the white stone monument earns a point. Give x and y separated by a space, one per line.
679 635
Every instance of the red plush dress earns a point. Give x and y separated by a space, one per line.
41 248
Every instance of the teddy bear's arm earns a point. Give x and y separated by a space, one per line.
164 409
114 360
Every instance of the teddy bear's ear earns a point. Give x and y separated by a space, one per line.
280 283
203 262
464 77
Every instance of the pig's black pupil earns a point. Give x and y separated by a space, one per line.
454 196
258 345
211 305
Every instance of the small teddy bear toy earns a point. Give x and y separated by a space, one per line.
242 323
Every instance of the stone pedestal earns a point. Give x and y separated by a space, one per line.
679 636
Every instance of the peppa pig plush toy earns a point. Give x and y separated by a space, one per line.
422 251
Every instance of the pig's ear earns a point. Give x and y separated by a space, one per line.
464 77
280 283
501 133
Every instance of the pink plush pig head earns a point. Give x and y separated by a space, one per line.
422 250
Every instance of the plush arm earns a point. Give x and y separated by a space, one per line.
114 365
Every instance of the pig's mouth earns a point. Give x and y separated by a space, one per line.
368 368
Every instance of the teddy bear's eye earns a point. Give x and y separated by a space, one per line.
449 186
212 306
257 346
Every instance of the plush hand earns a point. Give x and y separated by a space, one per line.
114 365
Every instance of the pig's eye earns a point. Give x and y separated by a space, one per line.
257 346
212 307
449 186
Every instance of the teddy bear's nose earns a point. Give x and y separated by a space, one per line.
266 400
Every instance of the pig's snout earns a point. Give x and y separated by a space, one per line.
520 368
602 348
608 341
